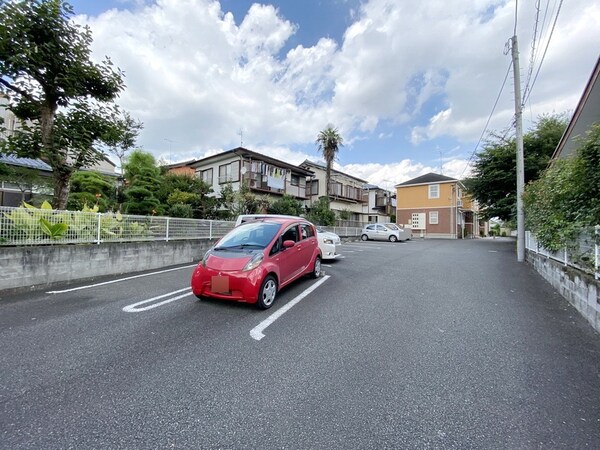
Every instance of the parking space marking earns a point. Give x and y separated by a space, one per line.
135 307
257 332
118 280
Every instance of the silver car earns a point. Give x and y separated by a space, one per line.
405 233
379 232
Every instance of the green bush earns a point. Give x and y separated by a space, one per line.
181 210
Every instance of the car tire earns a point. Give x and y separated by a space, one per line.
267 292
393 238
316 273
364 237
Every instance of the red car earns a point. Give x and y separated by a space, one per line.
256 259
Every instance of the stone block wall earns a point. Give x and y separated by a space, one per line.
24 268
579 288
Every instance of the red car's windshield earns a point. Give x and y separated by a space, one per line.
256 235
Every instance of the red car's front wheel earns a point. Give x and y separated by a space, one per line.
267 293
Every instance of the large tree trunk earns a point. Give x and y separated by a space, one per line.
46 127
62 187
60 172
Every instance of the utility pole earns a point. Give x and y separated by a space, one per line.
520 162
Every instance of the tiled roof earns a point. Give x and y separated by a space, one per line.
248 155
310 163
25 162
428 178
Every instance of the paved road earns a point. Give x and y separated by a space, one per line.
424 344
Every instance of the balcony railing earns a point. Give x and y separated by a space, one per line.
257 181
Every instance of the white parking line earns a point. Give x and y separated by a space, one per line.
117 281
135 307
257 331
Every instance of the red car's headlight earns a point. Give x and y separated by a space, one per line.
204 258
253 263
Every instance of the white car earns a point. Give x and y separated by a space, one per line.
328 242
381 232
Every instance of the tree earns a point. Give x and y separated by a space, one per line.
126 135
494 180
329 141
63 100
26 179
286 205
142 176
565 199
320 213
90 188
187 196
242 201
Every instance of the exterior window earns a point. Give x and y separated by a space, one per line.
433 217
335 189
206 176
295 181
418 221
353 192
434 191
229 172
306 231
291 234
313 188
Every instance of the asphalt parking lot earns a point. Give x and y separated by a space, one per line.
422 344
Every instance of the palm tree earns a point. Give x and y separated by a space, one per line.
329 141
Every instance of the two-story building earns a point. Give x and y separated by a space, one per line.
345 193
379 205
436 206
262 174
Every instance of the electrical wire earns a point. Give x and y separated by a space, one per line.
525 98
533 47
485 129
528 88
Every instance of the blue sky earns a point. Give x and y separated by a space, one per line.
410 85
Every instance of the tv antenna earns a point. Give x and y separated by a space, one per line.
170 141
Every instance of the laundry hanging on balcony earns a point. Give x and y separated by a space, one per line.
276 178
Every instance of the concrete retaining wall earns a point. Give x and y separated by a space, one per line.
580 289
24 268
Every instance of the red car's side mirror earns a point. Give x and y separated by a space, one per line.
288 244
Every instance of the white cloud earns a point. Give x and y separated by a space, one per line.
196 75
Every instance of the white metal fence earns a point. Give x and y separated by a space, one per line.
583 254
25 226
343 231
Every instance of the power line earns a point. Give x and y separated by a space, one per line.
533 47
489 119
527 90
525 98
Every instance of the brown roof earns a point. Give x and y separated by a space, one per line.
427 179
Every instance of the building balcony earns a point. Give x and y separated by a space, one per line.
272 185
